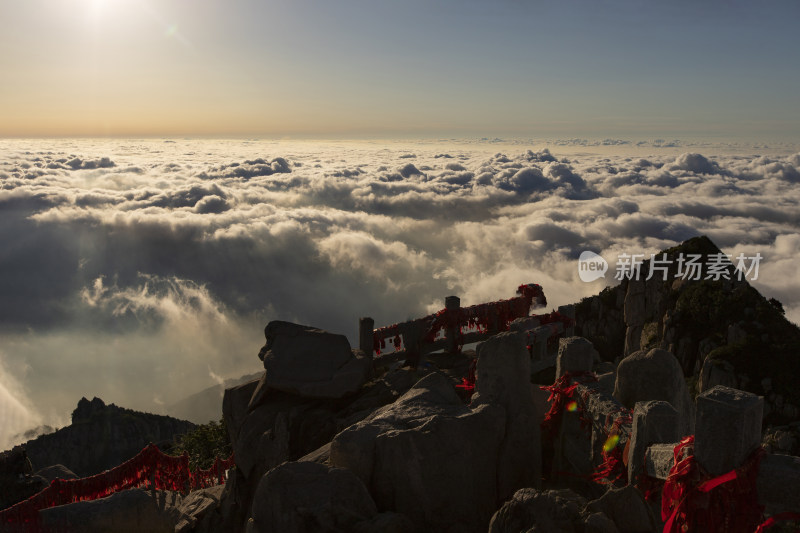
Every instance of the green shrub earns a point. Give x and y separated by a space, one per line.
204 444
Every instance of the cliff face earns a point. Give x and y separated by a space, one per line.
723 332
101 437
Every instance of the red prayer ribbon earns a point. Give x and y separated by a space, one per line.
780 517
149 468
692 500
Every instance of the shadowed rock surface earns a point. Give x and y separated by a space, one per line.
103 436
129 511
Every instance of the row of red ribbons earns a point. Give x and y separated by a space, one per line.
483 317
150 468
691 499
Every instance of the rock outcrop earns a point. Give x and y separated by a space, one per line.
503 368
102 436
655 375
199 511
311 363
307 497
16 480
551 511
428 456
715 329
268 426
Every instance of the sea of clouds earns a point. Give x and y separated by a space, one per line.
141 271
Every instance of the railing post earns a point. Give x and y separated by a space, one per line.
365 336
412 342
569 312
654 422
452 332
494 321
575 354
573 450
728 428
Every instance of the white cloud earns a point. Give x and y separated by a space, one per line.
163 267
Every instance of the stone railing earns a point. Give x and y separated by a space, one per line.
594 429
455 326
728 431
642 441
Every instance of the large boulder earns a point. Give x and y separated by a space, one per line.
52 472
16 481
551 511
235 404
132 511
503 378
311 362
198 510
627 508
263 437
655 375
428 456
268 427
575 354
386 523
309 497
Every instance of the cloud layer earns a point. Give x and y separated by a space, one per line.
134 269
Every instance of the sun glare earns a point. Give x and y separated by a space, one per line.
102 10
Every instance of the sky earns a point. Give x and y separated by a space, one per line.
175 174
379 69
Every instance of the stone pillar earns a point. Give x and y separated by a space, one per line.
659 458
452 304
575 354
526 325
653 422
568 311
503 378
573 449
728 428
365 338
539 345
655 375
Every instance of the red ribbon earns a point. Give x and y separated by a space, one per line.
771 521
613 469
468 383
149 468
560 393
692 500
482 317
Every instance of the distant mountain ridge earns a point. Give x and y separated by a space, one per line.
101 437
206 406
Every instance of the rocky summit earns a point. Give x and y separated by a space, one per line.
328 439
101 437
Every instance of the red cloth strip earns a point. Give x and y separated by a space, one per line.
692 500
771 521
148 468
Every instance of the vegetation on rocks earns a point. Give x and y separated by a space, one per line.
204 444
